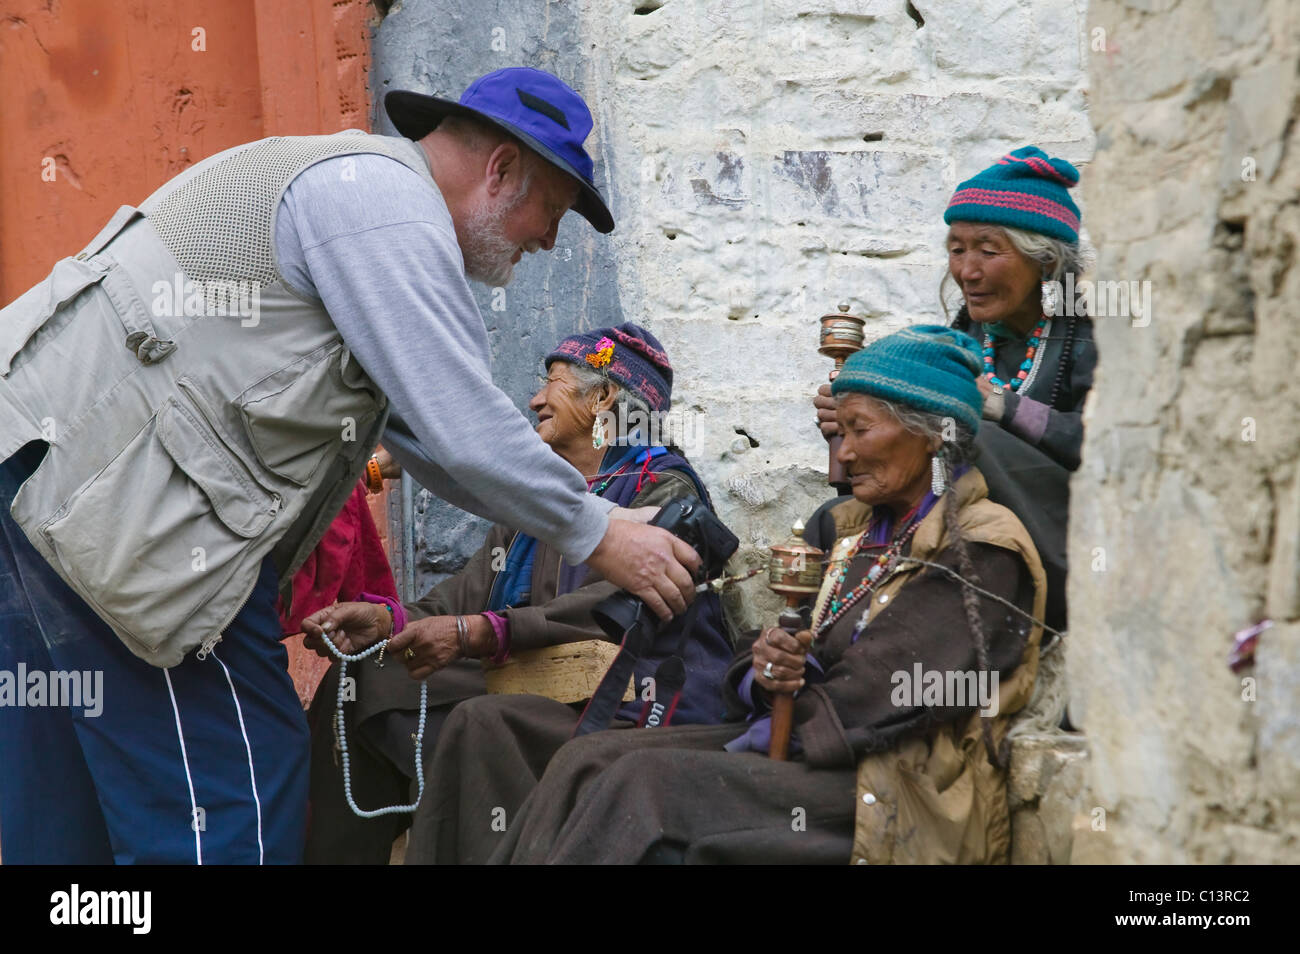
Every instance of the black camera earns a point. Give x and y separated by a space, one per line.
687 519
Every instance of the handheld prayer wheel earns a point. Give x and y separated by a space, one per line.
794 571
841 335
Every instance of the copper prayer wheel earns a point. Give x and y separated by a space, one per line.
795 567
794 571
841 335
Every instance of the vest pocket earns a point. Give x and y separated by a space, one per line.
23 317
294 413
148 564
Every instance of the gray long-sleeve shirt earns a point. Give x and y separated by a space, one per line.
375 243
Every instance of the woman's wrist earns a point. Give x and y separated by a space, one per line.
396 615
995 404
476 637
384 619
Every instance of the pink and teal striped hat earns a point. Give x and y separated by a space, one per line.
1025 189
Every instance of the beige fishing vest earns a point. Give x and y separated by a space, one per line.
199 414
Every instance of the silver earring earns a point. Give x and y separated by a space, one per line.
1051 295
937 482
597 433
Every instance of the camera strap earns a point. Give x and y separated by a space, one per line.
670 678
608 696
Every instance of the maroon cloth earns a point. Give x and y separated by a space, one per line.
349 559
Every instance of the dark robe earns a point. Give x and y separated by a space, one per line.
632 795
382 721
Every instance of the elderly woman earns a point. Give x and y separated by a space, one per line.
929 584
514 594
1013 238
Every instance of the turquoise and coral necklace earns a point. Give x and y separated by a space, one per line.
1028 367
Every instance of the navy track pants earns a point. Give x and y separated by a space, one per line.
205 762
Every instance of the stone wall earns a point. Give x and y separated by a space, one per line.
1186 512
767 159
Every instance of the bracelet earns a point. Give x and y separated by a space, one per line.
392 620
374 479
462 637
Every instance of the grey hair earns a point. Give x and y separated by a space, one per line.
957 439
483 137
1056 258
589 379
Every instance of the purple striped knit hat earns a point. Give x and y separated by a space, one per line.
629 355
1025 189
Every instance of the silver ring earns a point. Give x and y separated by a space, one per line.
767 671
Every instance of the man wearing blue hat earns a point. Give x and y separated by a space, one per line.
186 404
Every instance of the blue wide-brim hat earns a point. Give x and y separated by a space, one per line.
927 367
536 107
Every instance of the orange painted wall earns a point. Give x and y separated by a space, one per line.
116 97
121 95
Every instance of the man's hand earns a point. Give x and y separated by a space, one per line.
648 562
825 405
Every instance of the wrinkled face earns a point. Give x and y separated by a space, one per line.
563 416
520 218
888 465
995 279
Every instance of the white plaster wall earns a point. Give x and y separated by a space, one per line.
773 158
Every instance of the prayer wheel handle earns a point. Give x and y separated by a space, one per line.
783 703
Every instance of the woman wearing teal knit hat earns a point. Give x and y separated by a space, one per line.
1013 240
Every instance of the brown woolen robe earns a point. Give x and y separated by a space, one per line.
381 722
633 795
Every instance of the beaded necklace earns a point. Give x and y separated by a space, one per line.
344 659
1028 367
601 489
837 606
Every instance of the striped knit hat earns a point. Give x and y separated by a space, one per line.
628 355
1025 189
927 367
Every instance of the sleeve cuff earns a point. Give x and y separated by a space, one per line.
824 742
587 529
399 614
500 626
1027 418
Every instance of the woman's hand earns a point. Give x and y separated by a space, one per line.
994 402
786 654
433 643
389 469
825 405
351 627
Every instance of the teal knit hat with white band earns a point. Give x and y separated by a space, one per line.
927 367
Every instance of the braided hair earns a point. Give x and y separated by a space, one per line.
999 757
958 449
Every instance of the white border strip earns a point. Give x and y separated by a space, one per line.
194 808
252 776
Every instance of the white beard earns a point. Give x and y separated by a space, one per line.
488 253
